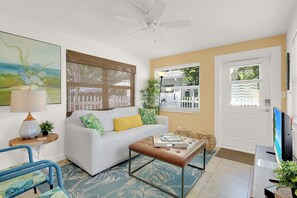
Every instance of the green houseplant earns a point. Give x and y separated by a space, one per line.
150 94
46 127
287 175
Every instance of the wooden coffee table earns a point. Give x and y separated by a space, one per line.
180 157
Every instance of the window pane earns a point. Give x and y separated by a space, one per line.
118 78
180 98
84 74
96 83
80 98
181 77
245 94
250 72
119 98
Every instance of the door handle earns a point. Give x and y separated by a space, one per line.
266 110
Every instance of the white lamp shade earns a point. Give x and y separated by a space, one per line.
28 100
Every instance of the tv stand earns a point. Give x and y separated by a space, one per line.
262 174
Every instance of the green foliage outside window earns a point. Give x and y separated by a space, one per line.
246 73
191 75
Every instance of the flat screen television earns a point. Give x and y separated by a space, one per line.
282 133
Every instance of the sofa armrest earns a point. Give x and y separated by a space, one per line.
79 143
162 120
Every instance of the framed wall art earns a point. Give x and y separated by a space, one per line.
29 64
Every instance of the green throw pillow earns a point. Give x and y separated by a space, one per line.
91 122
148 116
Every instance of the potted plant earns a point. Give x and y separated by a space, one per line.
46 127
150 94
287 175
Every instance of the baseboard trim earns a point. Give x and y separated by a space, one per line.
57 158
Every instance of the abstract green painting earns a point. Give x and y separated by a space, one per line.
29 64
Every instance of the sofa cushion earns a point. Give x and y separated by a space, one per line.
125 111
91 121
148 116
128 122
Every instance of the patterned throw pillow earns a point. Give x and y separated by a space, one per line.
148 116
91 122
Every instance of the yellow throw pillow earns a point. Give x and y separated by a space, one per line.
121 124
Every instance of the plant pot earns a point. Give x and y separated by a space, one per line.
44 133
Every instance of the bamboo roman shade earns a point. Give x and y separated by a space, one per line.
95 83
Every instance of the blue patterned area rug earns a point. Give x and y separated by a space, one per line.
116 182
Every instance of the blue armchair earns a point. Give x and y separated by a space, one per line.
21 178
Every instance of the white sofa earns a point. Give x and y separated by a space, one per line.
93 153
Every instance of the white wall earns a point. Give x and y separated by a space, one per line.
10 122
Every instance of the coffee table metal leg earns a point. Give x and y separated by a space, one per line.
204 150
129 162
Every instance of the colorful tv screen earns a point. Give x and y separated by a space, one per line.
277 130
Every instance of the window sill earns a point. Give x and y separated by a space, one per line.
179 110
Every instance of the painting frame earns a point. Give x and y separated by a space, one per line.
27 63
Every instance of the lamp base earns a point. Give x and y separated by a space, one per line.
29 129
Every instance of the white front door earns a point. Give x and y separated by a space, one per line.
246 104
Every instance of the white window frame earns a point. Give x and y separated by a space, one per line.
181 109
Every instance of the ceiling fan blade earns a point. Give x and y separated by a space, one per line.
138 31
156 12
175 24
127 19
139 5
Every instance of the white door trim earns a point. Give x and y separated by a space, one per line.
275 58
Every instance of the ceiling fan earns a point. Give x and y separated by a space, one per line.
152 18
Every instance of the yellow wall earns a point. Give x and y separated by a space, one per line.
204 119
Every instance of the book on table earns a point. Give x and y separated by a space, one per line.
167 140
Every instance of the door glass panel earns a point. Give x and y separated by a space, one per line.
247 72
245 94
245 85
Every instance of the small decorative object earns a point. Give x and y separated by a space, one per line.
46 127
183 132
203 135
287 175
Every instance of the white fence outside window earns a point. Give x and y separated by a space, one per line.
89 101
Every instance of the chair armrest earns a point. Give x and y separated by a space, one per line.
32 167
20 147
18 168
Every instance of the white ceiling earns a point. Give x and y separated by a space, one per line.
214 22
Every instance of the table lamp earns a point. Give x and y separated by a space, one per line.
28 101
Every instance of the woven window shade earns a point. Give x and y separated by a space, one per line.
95 83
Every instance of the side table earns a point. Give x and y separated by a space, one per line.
36 142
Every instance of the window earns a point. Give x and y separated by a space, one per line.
95 83
179 88
245 85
